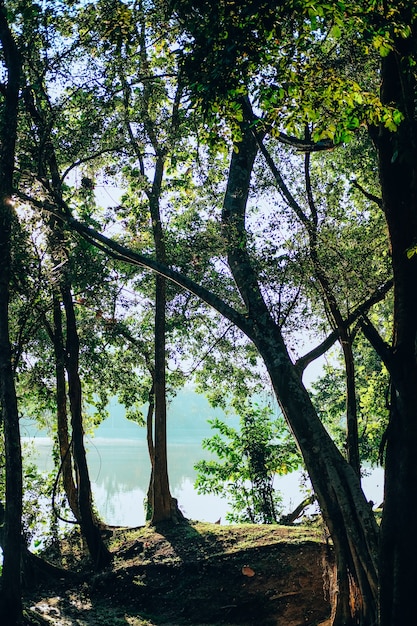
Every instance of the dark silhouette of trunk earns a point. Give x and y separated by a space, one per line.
88 523
164 506
336 320
161 495
59 257
398 175
65 452
10 593
10 598
336 484
151 447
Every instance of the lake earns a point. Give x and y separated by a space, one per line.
119 465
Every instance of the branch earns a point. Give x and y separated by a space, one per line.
367 194
310 195
383 350
91 157
359 312
301 145
122 253
316 352
291 201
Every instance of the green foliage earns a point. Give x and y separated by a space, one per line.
37 491
249 459
303 63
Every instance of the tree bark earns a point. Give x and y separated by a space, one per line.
161 504
10 594
10 598
65 452
397 154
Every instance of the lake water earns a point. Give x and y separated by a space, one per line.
119 472
119 465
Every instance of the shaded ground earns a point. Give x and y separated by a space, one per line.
197 574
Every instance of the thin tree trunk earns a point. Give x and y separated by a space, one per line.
62 416
10 599
151 447
89 526
88 523
163 505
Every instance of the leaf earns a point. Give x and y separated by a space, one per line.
411 252
248 571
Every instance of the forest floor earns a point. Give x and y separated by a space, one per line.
195 574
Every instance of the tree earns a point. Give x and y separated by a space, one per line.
372 384
10 597
392 126
161 503
391 31
397 172
249 458
332 481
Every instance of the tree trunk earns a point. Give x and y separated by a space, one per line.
59 257
62 416
337 486
88 523
151 447
161 505
89 527
10 598
164 506
398 175
344 507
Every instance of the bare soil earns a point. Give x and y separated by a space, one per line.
194 574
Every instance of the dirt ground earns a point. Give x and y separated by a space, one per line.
196 574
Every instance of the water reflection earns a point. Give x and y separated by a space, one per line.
120 470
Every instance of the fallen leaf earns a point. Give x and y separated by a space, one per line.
247 571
